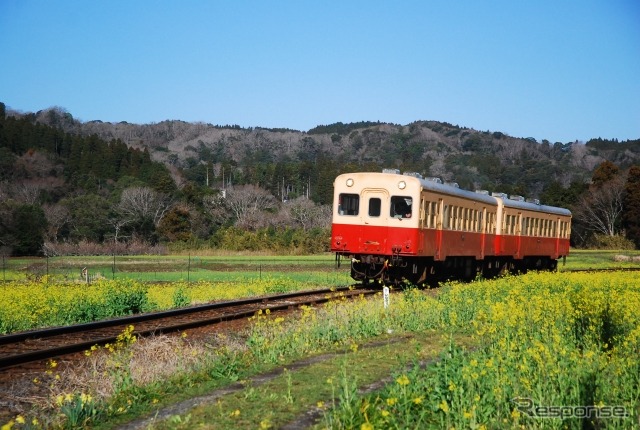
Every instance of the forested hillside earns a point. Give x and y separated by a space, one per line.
94 182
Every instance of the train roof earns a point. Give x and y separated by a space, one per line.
455 191
535 207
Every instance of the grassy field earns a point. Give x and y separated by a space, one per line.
315 268
228 268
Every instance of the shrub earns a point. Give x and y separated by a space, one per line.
602 241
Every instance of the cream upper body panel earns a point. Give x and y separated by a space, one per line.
376 199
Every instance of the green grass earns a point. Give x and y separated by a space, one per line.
597 259
240 268
296 388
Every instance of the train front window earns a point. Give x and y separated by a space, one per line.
374 206
349 204
401 207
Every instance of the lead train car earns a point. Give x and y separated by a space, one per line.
397 228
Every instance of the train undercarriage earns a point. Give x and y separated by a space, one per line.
425 271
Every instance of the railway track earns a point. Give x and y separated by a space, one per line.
36 345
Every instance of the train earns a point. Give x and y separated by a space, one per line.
398 228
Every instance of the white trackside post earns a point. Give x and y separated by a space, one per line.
385 296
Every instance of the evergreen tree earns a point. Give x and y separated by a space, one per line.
28 228
631 220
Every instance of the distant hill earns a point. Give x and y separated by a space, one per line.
290 161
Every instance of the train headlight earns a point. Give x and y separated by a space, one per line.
349 182
402 185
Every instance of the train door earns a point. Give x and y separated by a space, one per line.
375 220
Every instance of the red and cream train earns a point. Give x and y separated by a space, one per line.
397 228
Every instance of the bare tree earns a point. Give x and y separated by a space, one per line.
216 205
601 207
27 192
57 216
247 201
118 224
142 203
306 214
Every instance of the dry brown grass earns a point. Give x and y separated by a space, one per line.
145 361
626 258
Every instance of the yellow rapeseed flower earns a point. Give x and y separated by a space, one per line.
444 406
403 380
265 424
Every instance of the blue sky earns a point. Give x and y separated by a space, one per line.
561 70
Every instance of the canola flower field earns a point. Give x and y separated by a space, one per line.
551 351
554 351
26 305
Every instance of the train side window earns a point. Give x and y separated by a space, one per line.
434 214
401 206
474 220
445 217
349 204
454 216
473 224
466 217
525 226
374 206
